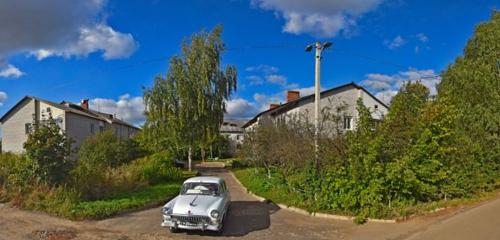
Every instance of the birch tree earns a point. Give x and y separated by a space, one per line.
186 107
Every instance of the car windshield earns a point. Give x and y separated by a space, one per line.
200 188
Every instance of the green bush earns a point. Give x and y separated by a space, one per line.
49 150
108 150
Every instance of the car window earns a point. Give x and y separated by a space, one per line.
200 188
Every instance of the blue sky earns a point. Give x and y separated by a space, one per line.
108 51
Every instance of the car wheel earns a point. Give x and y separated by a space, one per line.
173 230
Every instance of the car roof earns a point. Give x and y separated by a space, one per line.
206 179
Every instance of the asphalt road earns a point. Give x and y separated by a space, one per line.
251 219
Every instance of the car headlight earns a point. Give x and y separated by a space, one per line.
165 210
214 213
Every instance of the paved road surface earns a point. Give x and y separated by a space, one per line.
251 219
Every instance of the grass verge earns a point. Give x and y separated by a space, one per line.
266 188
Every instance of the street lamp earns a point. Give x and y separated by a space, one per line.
317 88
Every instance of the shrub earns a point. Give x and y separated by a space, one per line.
106 149
49 149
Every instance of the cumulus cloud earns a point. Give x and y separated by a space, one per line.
3 97
320 18
127 108
101 37
10 71
386 86
60 28
240 108
397 42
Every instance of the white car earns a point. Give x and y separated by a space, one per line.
201 205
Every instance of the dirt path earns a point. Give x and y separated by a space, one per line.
250 219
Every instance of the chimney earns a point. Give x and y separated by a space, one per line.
84 104
292 95
273 106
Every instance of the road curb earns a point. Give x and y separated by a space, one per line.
305 212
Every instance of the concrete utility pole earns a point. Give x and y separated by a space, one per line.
317 91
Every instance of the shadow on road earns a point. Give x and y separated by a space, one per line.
243 217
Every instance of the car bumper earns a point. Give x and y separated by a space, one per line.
200 226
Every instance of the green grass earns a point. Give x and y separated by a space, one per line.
126 201
149 196
266 188
260 185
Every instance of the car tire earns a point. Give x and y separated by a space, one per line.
173 230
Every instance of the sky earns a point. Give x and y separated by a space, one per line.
109 51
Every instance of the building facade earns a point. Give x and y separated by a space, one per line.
340 101
77 121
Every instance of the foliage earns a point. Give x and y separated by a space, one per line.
49 149
424 153
106 149
186 107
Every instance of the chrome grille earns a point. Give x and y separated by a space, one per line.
192 219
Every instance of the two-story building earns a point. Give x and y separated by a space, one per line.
340 100
77 121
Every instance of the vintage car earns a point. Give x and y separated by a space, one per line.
201 205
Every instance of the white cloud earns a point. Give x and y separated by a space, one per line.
3 97
240 108
10 71
263 68
276 79
397 42
422 37
255 80
386 86
101 37
60 28
320 18
267 74
127 108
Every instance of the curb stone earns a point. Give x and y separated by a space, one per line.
306 213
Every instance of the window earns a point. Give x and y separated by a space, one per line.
27 128
101 128
347 123
91 128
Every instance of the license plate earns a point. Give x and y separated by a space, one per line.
188 224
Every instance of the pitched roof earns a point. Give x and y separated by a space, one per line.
72 108
295 103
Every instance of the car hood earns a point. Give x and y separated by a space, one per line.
195 204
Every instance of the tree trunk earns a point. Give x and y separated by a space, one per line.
202 154
190 155
211 152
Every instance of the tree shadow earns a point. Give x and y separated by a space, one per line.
243 217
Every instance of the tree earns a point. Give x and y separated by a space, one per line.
185 108
472 85
49 148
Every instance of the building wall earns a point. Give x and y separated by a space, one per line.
79 127
57 114
340 103
14 127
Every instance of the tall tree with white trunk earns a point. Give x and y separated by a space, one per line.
186 107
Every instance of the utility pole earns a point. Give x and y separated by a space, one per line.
317 91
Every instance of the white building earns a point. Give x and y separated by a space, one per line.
77 121
339 100
233 131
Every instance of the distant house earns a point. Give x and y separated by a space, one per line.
339 98
233 130
78 121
